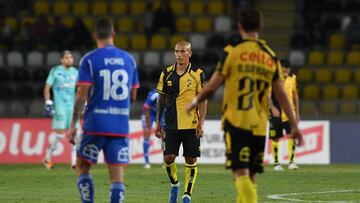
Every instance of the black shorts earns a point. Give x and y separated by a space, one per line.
173 139
243 149
277 127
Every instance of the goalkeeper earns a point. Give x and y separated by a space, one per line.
62 81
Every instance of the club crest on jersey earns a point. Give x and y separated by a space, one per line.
189 83
169 83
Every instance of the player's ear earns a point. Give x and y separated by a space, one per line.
94 36
189 53
113 34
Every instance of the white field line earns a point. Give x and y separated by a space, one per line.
285 196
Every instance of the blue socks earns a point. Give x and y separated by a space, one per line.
86 188
117 192
146 146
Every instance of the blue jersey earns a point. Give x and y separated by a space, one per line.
63 82
150 102
112 74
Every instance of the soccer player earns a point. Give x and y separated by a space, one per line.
107 79
62 81
279 121
248 69
177 85
148 117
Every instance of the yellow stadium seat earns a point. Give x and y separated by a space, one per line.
89 22
350 92
196 7
329 108
122 42
178 7
308 108
343 75
61 7
137 7
184 24
41 7
175 39
330 92
311 91
203 24
27 20
158 42
139 42
11 22
80 8
337 41
323 75
157 3
304 75
353 58
216 7
99 8
68 21
316 57
348 109
119 7
335 57
126 25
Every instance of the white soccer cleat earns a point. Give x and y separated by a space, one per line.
293 166
147 166
278 167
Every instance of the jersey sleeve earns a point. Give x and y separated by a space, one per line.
84 74
135 80
295 83
223 66
160 88
51 78
202 82
278 72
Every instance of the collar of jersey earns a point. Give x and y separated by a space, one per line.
187 69
253 39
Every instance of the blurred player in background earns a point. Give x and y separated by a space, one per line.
279 121
107 80
248 69
148 118
62 81
177 85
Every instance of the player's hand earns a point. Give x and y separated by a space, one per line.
275 112
48 108
199 130
297 135
189 107
159 132
71 134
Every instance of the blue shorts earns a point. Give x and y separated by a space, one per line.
143 121
116 149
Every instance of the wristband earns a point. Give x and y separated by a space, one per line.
49 102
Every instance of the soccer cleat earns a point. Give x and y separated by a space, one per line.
48 164
278 167
174 192
186 199
73 167
147 166
293 166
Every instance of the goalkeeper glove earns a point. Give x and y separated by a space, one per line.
49 108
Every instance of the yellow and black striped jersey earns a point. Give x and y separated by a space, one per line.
179 91
290 89
249 68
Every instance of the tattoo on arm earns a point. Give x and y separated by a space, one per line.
160 107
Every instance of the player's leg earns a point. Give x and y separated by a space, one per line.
116 151
291 147
171 145
191 146
275 135
88 152
146 143
238 143
69 113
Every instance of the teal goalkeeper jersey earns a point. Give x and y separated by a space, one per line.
63 82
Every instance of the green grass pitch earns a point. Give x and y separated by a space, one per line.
312 183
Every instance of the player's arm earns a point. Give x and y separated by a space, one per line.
297 104
285 104
160 105
47 89
133 94
274 111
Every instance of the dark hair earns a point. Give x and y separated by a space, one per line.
104 28
285 63
250 19
65 52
